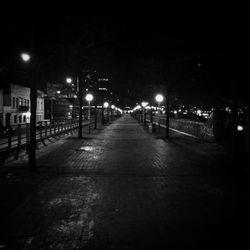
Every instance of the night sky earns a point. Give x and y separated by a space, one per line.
197 50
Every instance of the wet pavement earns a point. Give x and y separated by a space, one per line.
124 188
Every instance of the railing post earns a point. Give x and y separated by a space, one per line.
46 129
40 130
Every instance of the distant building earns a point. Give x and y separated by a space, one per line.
59 101
15 107
57 109
40 106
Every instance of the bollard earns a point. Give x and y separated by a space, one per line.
46 126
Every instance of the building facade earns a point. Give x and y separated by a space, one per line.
60 102
16 105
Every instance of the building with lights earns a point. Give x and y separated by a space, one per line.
15 105
60 102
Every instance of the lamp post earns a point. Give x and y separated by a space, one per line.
25 57
159 98
112 108
69 82
106 105
144 104
33 102
73 109
89 98
167 114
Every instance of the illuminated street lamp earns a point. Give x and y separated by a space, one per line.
144 104
112 108
33 105
68 80
106 105
25 57
159 98
89 98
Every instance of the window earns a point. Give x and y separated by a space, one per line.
17 103
20 118
24 118
28 102
15 119
13 102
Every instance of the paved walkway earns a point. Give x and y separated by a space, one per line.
123 188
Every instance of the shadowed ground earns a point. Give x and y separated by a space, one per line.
123 188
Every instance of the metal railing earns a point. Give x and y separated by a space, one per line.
202 130
20 139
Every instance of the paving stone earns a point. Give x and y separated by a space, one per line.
123 188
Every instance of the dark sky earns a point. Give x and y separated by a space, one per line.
201 49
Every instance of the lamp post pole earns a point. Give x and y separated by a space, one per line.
144 104
33 103
106 105
167 114
159 98
159 126
32 146
80 107
89 116
89 98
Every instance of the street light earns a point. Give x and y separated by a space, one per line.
25 57
144 104
68 80
89 98
159 98
106 105
112 108
33 105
